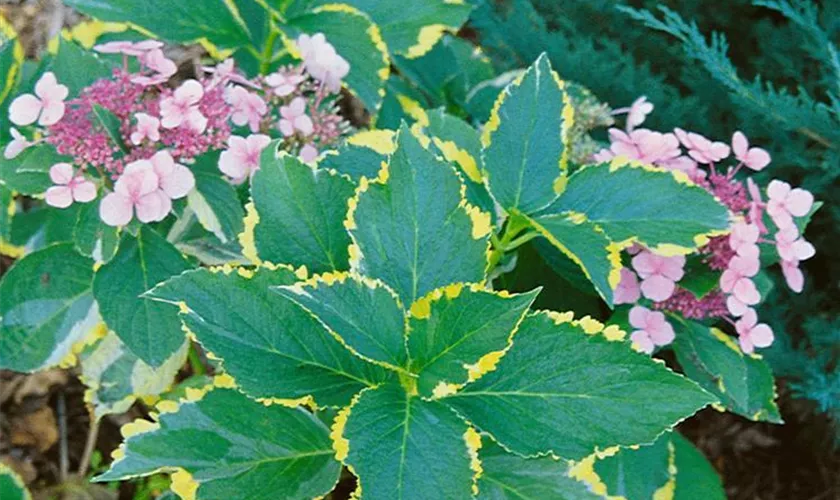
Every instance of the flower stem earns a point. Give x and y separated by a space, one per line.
268 51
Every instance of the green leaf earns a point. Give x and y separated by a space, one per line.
555 373
11 61
236 448
361 155
12 486
507 476
743 383
45 307
415 27
525 141
174 22
214 201
301 213
699 279
411 227
402 446
116 378
660 209
94 238
77 68
29 172
357 40
150 330
7 212
450 334
586 245
637 474
398 92
271 346
696 478
110 124
460 144
364 313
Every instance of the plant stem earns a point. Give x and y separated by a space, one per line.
195 361
90 444
268 51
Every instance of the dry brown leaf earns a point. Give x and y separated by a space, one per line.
37 429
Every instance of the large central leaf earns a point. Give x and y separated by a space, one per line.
570 392
271 346
150 330
404 447
412 228
236 448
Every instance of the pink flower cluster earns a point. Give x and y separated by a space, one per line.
656 278
134 136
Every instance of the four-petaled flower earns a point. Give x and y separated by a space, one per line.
736 281
786 203
248 107
652 329
69 187
659 274
701 149
284 84
744 240
627 291
137 190
752 334
753 158
242 158
322 61
182 108
174 179
46 106
638 111
147 128
295 118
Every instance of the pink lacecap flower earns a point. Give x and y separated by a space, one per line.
638 112
148 127
156 61
322 61
137 190
283 83
308 153
756 206
248 107
744 240
791 247
644 145
69 187
46 106
752 334
226 72
17 145
736 281
174 179
753 158
182 108
295 118
659 274
627 291
701 149
786 203
793 275
242 158
652 329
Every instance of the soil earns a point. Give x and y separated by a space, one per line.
45 424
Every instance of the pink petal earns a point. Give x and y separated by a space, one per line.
639 317
672 267
304 124
52 113
803 250
286 128
177 184
642 341
757 159
308 153
84 191
645 263
799 202
728 280
735 306
627 291
153 207
657 288
750 251
257 142
793 276
48 88
746 344
196 120
663 335
778 190
59 196
189 92
744 266
746 292
739 145
232 165
61 173
761 336
115 210
24 110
